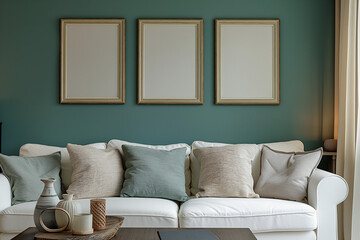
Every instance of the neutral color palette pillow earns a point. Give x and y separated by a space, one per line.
96 172
154 173
32 150
289 146
285 175
226 171
24 174
115 143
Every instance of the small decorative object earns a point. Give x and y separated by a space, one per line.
170 61
330 145
72 207
55 230
98 210
47 199
247 65
82 224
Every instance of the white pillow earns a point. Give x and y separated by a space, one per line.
114 143
289 146
32 150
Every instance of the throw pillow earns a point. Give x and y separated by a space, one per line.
226 171
289 146
119 143
154 173
24 174
285 175
96 172
32 150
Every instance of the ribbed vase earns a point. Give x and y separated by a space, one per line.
71 206
47 199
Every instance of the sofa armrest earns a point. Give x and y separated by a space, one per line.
5 192
325 192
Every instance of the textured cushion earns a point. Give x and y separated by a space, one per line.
289 146
138 212
285 175
258 214
96 172
32 150
154 173
226 171
119 143
24 174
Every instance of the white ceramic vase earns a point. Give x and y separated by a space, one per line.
47 199
71 206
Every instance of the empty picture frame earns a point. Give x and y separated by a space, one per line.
92 61
247 61
170 61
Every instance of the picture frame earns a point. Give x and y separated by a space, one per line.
92 61
170 61
247 61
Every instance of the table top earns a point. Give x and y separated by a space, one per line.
151 233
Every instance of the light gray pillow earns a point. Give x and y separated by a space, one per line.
285 175
226 171
96 172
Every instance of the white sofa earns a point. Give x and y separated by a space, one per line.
267 218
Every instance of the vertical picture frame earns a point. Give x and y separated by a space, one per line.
92 61
247 61
170 61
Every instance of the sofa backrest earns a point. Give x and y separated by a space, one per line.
192 166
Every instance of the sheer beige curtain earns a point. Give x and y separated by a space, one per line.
347 80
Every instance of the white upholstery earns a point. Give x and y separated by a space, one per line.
260 215
5 192
270 219
138 212
17 218
325 192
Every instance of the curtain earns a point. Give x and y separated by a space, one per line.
348 154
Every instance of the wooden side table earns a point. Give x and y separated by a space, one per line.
332 165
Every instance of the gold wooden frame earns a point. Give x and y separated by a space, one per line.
120 99
199 24
275 99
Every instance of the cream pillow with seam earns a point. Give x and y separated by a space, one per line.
285 175
96 172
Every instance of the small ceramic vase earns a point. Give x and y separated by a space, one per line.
47 199
71 206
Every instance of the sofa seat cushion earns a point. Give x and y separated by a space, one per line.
138 212
260 215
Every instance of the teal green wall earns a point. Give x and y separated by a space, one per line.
29 76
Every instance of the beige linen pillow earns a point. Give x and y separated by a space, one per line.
285 175
96 172
226 171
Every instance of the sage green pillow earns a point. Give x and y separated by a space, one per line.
24 174
154 173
